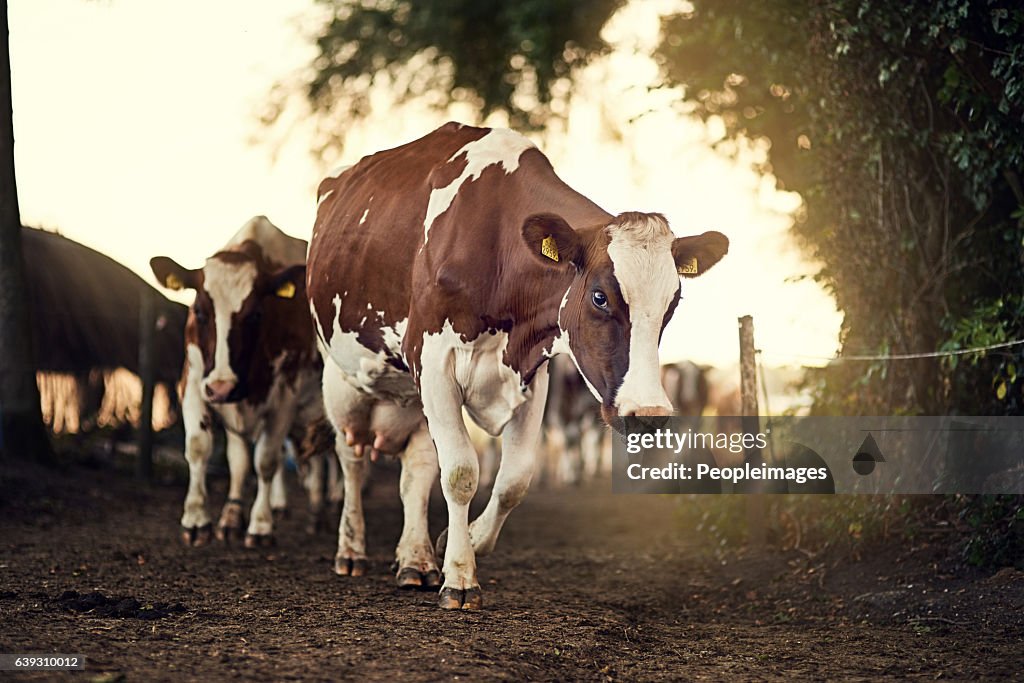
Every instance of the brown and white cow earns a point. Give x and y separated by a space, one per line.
250 358
444 274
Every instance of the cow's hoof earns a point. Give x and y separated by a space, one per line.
412 578
231 527
196 536
318 522
454 598
279 513
348 566
259 541
439 547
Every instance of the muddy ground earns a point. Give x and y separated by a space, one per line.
584 585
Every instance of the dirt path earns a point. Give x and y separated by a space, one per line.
584 585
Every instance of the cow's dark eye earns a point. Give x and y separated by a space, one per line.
201 316
600 299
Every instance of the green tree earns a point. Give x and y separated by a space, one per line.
902 126
498 55
21 425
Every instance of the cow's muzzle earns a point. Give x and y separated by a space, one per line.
220 391
640 418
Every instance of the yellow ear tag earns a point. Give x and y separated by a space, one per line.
173 282
286 291
549 248
688 268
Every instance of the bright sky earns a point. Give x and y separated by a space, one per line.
134 127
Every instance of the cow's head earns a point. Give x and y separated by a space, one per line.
624 290
233 292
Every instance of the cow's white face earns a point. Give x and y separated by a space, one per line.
232 290
624 292
227 315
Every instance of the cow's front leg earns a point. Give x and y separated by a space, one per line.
520 442
231 526
268 460
195 520
442 405
417 567
279 491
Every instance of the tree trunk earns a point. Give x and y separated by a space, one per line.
22 432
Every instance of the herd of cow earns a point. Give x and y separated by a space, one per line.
443 277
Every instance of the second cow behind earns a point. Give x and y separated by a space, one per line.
251 361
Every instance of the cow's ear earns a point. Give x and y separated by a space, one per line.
288 282
696 254
551 240
172 275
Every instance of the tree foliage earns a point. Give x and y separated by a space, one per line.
902 126
497 55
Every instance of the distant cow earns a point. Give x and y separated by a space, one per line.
444 274
572 420
251 360
85 315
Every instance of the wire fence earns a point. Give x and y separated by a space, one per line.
894 356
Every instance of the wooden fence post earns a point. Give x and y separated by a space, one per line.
751 425
147 373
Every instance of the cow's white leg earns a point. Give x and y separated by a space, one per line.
335 490
195 520
442 405
350 560
268 458
489 460
232 519
551 456
520 442
313 482
417 566
343 403
590 447
278 489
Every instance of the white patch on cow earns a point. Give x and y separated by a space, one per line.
393 336
641 255
320 200
362 218
491 390
561 345
499 146
363 368
228 285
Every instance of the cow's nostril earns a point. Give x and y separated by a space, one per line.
651 411
219 390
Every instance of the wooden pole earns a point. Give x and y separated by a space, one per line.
147 373
751 425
